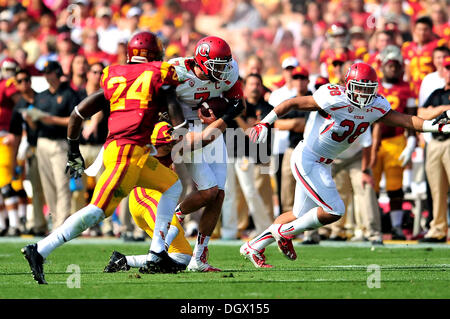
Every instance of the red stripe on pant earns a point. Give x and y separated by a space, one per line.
117 184
309 188
122 175
146 196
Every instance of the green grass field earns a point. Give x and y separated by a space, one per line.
324 271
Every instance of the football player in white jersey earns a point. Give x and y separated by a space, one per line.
212 72
344 114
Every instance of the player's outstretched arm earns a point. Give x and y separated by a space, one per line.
258 133
394 118
88 107
85 109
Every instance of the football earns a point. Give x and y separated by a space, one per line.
218 105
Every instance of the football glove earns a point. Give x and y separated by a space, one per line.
443 118
259 132
75 162
235 109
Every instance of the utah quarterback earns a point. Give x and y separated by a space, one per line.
212 72
344 114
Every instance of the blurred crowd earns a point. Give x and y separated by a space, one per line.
52 53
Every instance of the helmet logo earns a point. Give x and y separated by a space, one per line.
203 49
144 52
135 51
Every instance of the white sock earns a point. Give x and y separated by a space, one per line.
396 218
136 261
262 241
171 234
202 242
22 210
72 227
179 212
407 178
164 215
12 212
308 221
13 218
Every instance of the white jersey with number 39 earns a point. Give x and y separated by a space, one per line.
192 91
339 123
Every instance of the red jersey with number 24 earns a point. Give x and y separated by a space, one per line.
339 123
134 92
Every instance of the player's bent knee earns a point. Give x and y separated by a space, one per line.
210 194
92 215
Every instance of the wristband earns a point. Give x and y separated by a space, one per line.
428 126
270 118
180 125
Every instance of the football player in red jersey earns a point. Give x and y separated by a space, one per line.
9 95
418 55
344 114
393 150
137 93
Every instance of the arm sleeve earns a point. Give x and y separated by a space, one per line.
235 92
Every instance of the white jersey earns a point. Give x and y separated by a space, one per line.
192 91
339 123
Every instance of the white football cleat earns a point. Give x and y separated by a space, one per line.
201 264
255 256
284 242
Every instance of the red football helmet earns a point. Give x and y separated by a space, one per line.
213 57
361 84
8 68
162 134
145 47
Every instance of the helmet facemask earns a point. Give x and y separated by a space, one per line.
361 93
218 69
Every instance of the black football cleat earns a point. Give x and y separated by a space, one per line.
36 262
117 262
162 263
